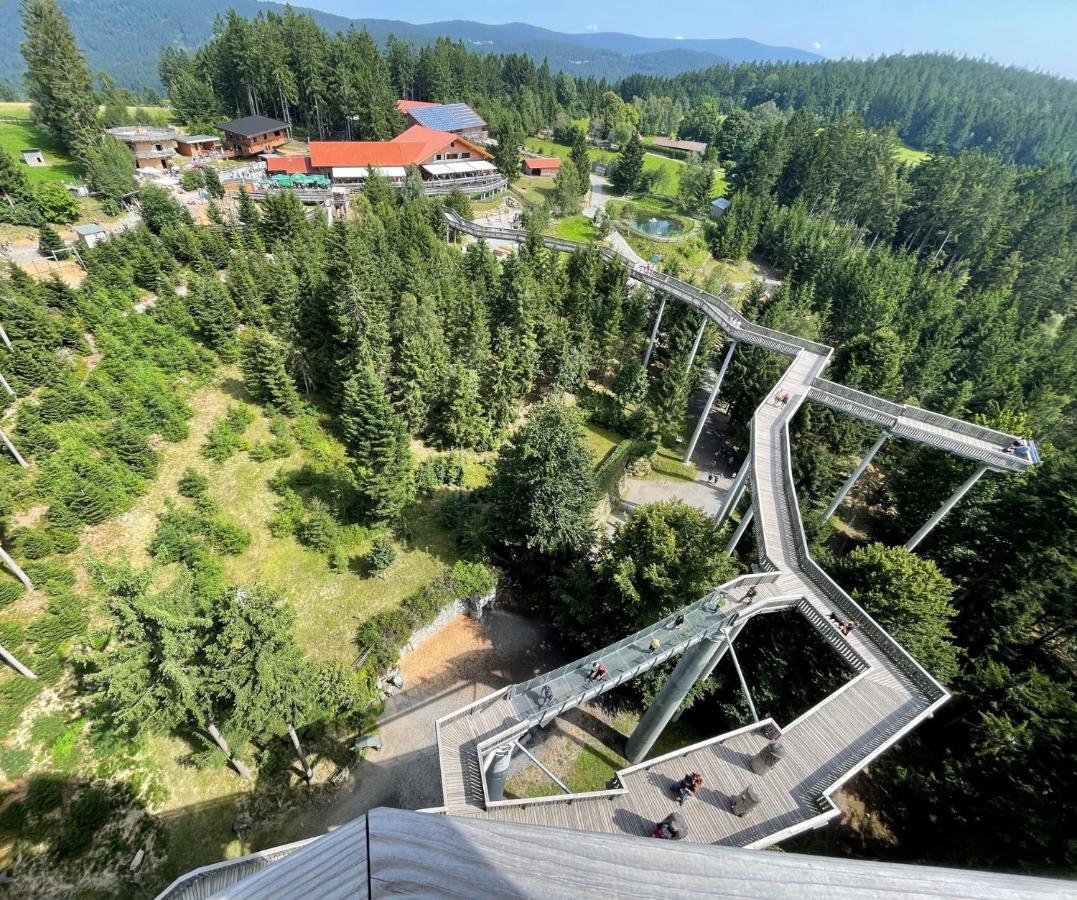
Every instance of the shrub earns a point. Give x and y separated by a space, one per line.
225 438
85 817
10 591
224 537
32 544
63 540
192 179
15 763
439 470
50 576
290 513
56 203
318 530
381 555
44 793
193 483
45 730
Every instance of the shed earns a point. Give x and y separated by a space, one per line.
542 165
718 207
32 156
196 144
91 234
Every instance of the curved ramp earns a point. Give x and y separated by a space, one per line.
888 694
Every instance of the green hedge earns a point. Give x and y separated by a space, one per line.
609 473
386 633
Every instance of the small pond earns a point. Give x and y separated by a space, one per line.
657 226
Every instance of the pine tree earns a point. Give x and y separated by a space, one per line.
628 168
48 240
248 212
378 446
110 169
214 312
581 160
13 182
461 420
262 357
507 153
57 77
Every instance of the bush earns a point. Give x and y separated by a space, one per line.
193 483
15 763
10 591
44 794
381 555
56 203
63 540
319 530
192 179
290 513
439 470
83 820
32 544
224 537
225 438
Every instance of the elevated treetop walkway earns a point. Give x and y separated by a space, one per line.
888 693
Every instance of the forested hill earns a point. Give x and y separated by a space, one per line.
933 100
124 38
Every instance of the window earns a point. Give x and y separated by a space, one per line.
276 133
452 156
465 155
437 156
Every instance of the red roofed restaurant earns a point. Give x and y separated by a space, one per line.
443 159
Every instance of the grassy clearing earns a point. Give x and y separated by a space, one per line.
666 464
329 604
909 155
533 188
18 136
600 441
671 168
21 110
576 228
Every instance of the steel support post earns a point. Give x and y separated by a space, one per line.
673 692
731 499
498 773
703 416
654 332
740 675
950 503
695 344
745 521
857 472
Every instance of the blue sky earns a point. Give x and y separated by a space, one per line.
1032 33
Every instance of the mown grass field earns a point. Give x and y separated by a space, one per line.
18 136
909 155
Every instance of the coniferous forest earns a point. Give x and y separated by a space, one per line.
947 283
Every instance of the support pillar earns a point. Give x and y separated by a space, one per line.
654 332
730 501
745 521
498 773
695 344
740 675
857 472
950 503
703 416
673 692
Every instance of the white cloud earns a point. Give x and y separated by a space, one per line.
678 37
815 45
590 28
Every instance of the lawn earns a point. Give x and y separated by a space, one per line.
600 441
18 136
909 155
651 161
666 464
533 188
158 115
575 228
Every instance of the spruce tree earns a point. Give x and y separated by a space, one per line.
13 181
48 240
61 91
263 359
378 446
461 419
214 312
581 160
628 169
110 169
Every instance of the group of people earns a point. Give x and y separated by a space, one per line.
1019 447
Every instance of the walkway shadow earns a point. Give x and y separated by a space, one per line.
631 823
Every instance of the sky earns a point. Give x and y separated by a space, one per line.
1036 34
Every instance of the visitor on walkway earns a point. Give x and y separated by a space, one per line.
671 828
593 670
688 786
547 695
678 622
600 672
848 625
750 595
655 645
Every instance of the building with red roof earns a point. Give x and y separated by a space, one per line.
442 158
542 165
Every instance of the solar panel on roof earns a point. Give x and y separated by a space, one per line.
465 115
439 118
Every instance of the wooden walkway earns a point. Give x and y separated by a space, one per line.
888 692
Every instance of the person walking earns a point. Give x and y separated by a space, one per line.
547 695
654 646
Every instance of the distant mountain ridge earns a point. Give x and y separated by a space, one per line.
124 38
